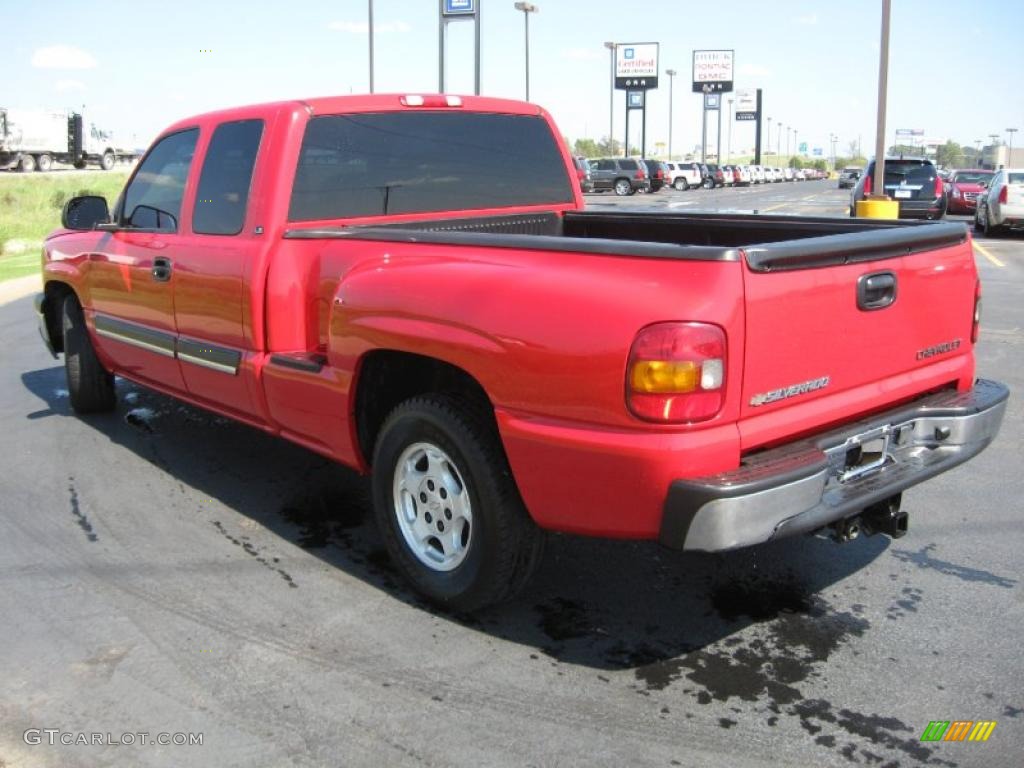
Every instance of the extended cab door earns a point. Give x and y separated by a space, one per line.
130 274
214 271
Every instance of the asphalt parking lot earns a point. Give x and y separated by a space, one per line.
166 570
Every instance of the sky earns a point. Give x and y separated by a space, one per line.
955 68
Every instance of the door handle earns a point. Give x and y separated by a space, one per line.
161 269
876 291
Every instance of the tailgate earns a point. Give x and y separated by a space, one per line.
811 334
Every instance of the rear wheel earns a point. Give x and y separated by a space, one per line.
447 506
90 385
26 163
44 162
622 187
988 229
680 184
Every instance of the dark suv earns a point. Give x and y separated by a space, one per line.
658 172
913 182
848 177
622 175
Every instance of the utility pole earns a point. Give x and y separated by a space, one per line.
527 9
778 146
1009 149
768 143
671 79
370 30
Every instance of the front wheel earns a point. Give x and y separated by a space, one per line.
107 161
447 506
90 385
622 187
680 184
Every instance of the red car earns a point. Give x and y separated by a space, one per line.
501 361
963 188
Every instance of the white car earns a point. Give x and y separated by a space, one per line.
788 174
1001 204
684 175
757 173
744 178
799 175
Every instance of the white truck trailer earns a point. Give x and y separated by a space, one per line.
33 140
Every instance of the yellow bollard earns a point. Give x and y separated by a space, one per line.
878 209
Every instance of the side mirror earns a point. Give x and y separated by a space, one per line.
84 213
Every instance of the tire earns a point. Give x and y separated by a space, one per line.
447 451
680 184
79 164
107 161
90 385
44 163
26 163
622 187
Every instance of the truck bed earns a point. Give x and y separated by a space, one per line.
769 243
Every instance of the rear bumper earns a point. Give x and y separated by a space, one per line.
922 209
797 488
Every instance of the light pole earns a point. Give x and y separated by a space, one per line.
671 78
527 9
611 95
728 142
370 31
1009 148
789 133
778 145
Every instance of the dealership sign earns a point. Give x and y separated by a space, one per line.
636 66
712 71
746 104
459 7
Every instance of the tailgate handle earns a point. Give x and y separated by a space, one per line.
876 291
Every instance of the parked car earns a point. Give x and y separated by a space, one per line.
757 173
582 167
799 174
741 175
787 174
501 362
658 173
715 176
963 188
1000 205
685 175
728 176
848 177
622 175
912 181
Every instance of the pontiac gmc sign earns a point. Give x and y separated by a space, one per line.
636 66
712 71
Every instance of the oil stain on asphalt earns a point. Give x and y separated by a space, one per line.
76 512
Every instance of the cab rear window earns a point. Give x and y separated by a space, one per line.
419 162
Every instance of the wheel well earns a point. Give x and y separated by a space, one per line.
387 378
55 293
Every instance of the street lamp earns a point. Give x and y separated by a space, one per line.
671 76
1009 149
527 9
789 133
611 91
778 145
369 29
769 142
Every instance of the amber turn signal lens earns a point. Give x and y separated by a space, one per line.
653 376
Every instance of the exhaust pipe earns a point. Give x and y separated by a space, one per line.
886 517
846 530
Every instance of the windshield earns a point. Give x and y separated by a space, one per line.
971 177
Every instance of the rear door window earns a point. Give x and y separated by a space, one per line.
227 174
1015 178
628 165
376 164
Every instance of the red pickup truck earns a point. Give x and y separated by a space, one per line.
410 286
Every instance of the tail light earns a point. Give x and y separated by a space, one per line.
940 190
639 174
976 320
867 185
676 372
1002 194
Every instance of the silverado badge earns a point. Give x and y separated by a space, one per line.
790 391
